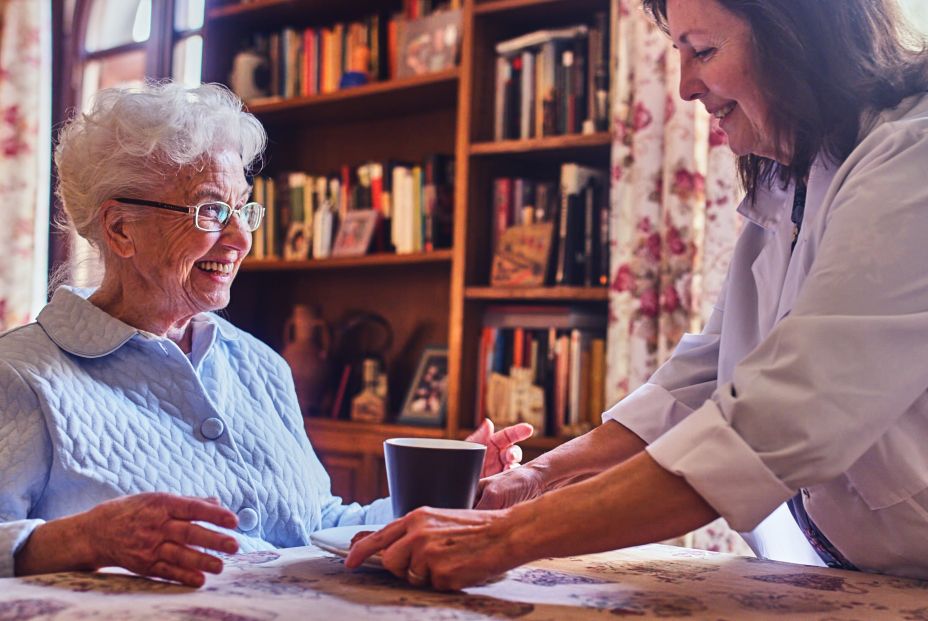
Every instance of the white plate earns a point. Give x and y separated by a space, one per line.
338 541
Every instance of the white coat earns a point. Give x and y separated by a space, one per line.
812 372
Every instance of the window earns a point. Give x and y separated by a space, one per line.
917 12
120 43
187 54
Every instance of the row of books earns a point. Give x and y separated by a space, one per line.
304 212
573 249
301 62
553 82
305 62
542 365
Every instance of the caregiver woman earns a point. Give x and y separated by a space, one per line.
808 385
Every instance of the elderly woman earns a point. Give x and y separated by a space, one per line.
137 428
808 385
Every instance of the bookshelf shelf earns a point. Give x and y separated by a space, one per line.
231 10
587 148
544 443
560 144
367 261
519 16
551 294
387 430
495 7
260 13
392 97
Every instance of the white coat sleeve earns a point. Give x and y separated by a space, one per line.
678 387
845 365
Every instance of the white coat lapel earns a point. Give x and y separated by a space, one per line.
769 268
820 178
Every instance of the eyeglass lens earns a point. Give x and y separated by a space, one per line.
213 216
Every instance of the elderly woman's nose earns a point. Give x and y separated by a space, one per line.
236 231
691 85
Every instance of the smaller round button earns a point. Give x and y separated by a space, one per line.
212 428
247 519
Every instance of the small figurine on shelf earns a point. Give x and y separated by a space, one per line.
357 74
250 77
370 405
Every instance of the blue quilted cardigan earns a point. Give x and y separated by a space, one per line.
92 409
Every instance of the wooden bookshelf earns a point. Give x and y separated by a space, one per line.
562 9
367 261
258 14
394 97
428 298
565 147
547 294
233 9
388 430
353 453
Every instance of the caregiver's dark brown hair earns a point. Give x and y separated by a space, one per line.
821 64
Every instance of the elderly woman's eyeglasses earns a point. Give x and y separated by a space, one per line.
210 216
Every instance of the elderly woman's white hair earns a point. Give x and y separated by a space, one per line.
133 139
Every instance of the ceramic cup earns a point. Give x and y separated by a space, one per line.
431 472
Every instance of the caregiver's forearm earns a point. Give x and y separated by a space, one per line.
633 503
588 455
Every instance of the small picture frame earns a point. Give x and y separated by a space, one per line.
428 394
354 233
429 44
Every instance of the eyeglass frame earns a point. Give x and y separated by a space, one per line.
194 211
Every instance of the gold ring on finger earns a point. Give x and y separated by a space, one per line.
415 579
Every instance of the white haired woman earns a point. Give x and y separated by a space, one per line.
138 429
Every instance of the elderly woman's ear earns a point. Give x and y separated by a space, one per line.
115 235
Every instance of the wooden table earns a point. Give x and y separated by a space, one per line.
649 582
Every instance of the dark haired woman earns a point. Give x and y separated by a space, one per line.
808 386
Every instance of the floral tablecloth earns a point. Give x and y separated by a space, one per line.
647 582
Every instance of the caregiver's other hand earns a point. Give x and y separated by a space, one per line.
448 549
153 534
509 488
502 452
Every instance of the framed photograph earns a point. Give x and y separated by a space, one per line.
354 233
298 241
428 394
429 44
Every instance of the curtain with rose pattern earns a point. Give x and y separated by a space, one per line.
673 218
25 125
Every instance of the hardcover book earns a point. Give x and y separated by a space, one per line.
522 257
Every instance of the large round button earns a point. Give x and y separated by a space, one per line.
247 519
212 428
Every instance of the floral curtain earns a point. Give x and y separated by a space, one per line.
25 128
673 218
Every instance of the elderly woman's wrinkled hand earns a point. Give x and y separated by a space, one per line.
442 548
153 534
502 452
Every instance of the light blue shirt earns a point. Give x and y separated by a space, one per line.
92 409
